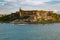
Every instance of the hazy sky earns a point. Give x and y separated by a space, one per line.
8 6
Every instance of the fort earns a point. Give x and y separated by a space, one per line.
31 16
34 15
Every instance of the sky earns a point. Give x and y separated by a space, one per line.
9 6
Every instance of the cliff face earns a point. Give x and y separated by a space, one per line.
31 16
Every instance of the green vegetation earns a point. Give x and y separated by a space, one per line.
8 18
12 17
56 19
45 21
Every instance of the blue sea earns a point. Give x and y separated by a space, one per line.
30 31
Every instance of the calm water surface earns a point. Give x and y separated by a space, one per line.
30 32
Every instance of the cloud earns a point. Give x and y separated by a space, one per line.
51 7
10 0
9 6
53 2
34 2
7 9
2 3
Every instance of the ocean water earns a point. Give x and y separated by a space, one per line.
30 31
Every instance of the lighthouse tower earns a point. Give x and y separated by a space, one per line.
20 11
